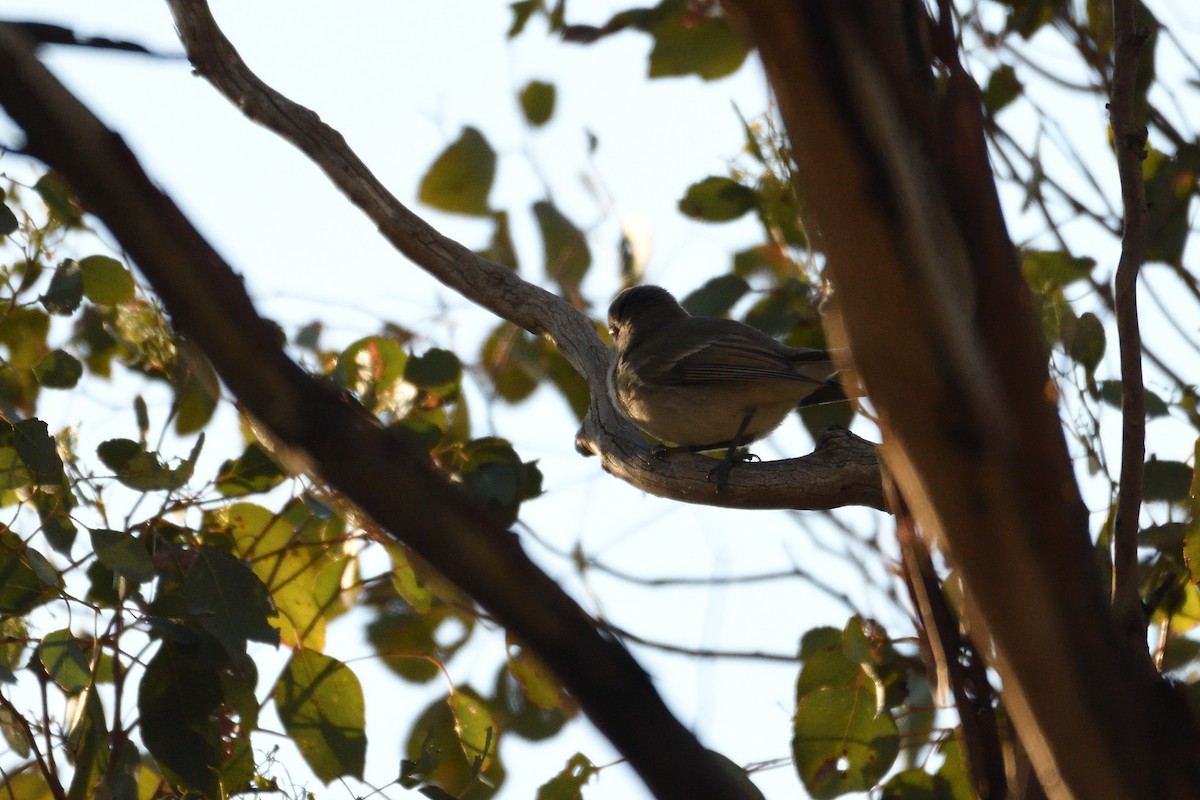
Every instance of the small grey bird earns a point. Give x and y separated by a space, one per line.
704 382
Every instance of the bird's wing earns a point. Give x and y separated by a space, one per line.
738 357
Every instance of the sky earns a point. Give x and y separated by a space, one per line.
400 80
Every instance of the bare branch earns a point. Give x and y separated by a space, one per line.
396 486
846 474
1130 141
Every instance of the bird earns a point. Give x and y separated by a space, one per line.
704 383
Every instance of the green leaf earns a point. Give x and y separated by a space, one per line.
1167 480
24 330
688 42
1191 550
716 297
229 601
520 715
566 249
122 553
373 368
250 473
13 472
916 784
27 786
460 179
60 199
512 359
841 742
829 669
1002 88
522 11
38 450
452 762
15 737
8 220
178 701
536 679
1110 392
134 466
54 506
1086 342
477 730
197 388
501 248
21 590
494 473
89 747
65 292
290 552
106 281
1053 268
412 644
537 101
438 372
955 771
65 662
1170 187
717 199
320 702
568 784
58 369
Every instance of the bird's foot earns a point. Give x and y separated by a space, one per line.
720 473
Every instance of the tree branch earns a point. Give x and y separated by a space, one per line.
1130 143
846 473
396 486
893 166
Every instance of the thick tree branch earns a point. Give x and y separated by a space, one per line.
893 165
1129 139
846 474
398 487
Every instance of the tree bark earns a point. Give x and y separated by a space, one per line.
893 167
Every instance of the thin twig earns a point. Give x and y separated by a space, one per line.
1130 141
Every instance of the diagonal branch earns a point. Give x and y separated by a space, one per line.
844 470
397 486
1130 142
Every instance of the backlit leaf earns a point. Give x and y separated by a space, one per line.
8 220
1002 88
716 297
38 450
568 784
106 281
56 193
841 742
122 553
690 41
64 661
320 702
1167 480
537 101
250 473
565 247
58 369
717 199
460 179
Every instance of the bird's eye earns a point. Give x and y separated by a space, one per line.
612 330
